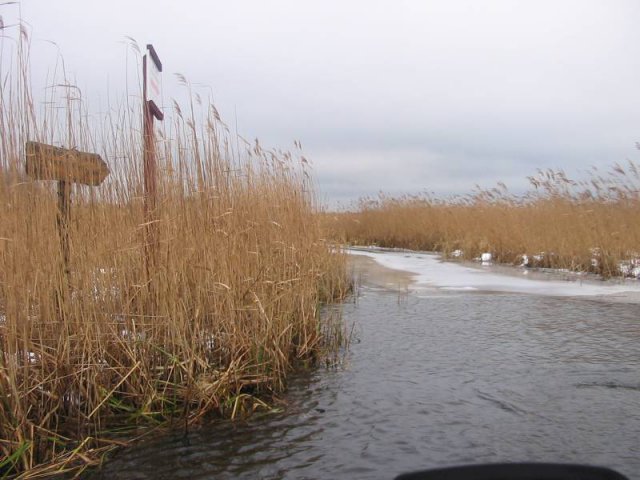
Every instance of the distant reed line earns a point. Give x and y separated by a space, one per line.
591 225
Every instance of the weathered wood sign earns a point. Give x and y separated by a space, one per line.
46 162
151 72
66 166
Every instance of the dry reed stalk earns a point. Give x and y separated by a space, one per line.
231 304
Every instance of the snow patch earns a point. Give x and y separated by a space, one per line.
630 268
431 272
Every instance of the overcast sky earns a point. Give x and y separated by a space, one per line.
400 96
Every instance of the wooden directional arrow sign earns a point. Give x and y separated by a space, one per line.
46 162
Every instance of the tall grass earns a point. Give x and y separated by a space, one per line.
230 304
591 225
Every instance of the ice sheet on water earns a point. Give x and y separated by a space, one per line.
430 271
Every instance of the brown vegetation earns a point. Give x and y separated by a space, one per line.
228 306
592 225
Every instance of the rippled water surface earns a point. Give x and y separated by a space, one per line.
433 379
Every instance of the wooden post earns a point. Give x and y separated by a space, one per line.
151 68
150 182
64 215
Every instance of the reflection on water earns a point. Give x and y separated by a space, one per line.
436 379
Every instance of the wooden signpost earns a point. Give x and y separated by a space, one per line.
152 82
67 166
46 162
152 93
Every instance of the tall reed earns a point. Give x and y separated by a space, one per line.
590 225
228 306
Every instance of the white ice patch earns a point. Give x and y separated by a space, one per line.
630 268
430 271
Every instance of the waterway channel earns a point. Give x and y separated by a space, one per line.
436 376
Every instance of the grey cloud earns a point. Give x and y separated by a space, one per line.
435 88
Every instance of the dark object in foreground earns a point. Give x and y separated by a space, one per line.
516 471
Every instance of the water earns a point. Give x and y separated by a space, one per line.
436 378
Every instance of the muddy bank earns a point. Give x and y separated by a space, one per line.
367 270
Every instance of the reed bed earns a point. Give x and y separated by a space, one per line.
591 225
227 305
